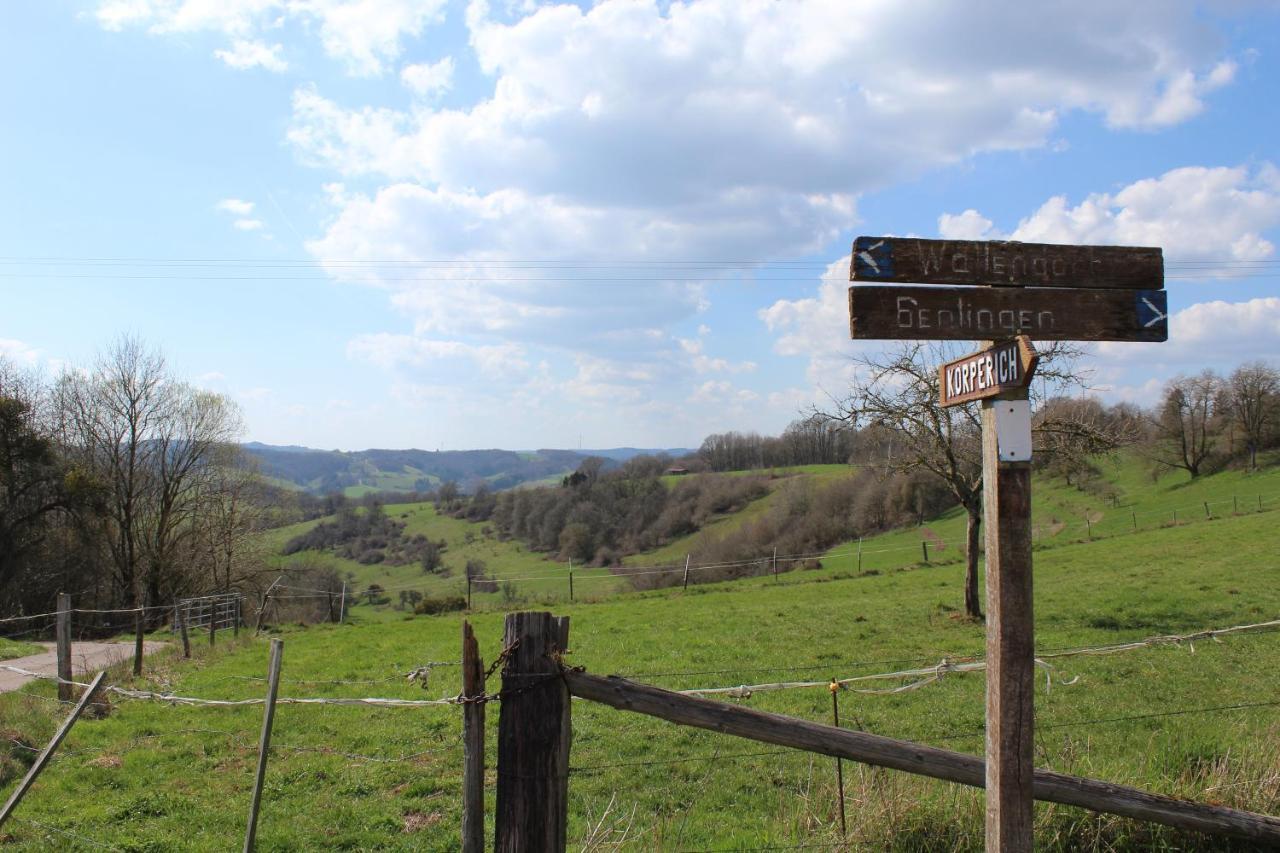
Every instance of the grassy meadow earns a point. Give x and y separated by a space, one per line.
1190 719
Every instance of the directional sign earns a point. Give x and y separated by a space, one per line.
998 262
1005 367
968 313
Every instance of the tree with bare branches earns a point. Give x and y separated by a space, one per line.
896 397
1251 397
1185 422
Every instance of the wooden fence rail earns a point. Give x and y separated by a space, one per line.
916 758
533 748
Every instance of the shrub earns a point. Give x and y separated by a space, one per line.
445 604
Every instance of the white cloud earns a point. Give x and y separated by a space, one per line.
235 206
19 352
1195 213
429 80
364 35
248 224
245 54
705 129
390 351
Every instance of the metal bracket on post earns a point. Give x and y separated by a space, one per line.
1013 430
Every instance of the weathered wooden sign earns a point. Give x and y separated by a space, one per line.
997 262
971 313
1005 367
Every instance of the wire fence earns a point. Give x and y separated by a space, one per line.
913 678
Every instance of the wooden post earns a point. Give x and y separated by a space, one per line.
139 625
835 721
571 581
43 758
687 557
533 737
924 549
859 553
64 647
1006 492
342 608
1135 519
472 743
1175 517
182 629
1207 514
468 592
264 744
235 618
1235 505
1088 527
213 623
775 562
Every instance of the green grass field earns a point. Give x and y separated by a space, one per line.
1191 719
10 649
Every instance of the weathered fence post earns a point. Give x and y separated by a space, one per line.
64 646
571 580
924 549
342 608
1135 519
859 553
472 743
468 591
182 630
139 626
687 558
835 721
1207 514
533 736
775 562
264 744
43 759
1089 527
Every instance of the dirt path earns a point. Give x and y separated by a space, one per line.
85 658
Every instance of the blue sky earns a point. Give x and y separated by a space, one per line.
393 223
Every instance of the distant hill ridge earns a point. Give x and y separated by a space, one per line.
355 472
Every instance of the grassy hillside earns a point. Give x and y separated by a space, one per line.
159 777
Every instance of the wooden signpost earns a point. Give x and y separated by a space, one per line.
1001 369
1009 293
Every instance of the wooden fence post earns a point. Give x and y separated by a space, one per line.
43 759
924 549
264 744
64 647
182 630
571 581
342 608
533 737
775 562
687 558
859 553
1088 527
835 721
468 591
139 625
472 743
1207 514
235 618
213 623
1135 519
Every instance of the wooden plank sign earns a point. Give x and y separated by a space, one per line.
1005 367
965 313
999 262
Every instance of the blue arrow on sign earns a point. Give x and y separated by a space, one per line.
1153 309
872 258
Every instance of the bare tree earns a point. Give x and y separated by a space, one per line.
897 396
1185 422
151 441
1252 399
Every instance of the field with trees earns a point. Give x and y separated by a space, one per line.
840 549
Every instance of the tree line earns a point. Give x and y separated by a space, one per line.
123 485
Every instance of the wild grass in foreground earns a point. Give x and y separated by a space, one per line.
1196 720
